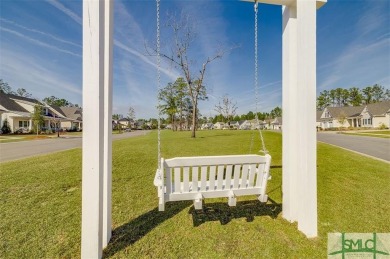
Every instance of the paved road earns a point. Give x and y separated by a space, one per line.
375 147
23 149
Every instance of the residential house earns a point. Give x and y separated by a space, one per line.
124 123
75 116
18 110
207 126
219 125
372 115
234 125
245 125
335 117
267 124
277 123
375 115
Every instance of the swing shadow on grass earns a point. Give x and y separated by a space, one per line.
221 211
129 233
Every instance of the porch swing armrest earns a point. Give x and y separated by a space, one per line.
158 181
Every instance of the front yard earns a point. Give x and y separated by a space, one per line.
374 133
40 204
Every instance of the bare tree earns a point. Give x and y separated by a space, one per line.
183 35
227 108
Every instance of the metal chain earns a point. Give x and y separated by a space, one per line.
158 86
257 83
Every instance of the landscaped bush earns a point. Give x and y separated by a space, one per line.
6 128
382 126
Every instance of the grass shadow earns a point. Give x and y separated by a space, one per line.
245 209
129 233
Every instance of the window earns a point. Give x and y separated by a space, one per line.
24 124
327 114
367 121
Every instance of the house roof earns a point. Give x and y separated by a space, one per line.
58 110
277 120
319 114
74 113
25 99
380 108
10 104
348 111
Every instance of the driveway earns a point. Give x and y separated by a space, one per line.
23 149
371 146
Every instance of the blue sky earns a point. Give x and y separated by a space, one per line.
41 49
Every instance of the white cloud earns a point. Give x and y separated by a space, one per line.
40 32
40 43
66 11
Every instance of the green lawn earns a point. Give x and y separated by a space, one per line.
377 134
40 204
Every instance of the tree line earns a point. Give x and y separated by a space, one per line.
352 97
175 103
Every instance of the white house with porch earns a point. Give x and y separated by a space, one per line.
18 110
219 125
372 115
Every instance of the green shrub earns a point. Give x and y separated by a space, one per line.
6 129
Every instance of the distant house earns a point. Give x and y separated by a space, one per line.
207 126
277 123
219 125
18 112
376 114
372 115
244 125
268 124
335 117
124 123
234 124
75 114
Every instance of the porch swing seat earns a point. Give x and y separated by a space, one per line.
197 178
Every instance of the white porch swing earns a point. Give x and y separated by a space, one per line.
197 178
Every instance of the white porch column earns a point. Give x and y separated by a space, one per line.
290 97
307 148
93 142
299 97
107 179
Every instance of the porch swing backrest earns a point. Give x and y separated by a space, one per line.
196 178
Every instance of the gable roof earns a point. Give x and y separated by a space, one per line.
348 111
23 99
74 113
10 104
380 108
277 120
57 109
